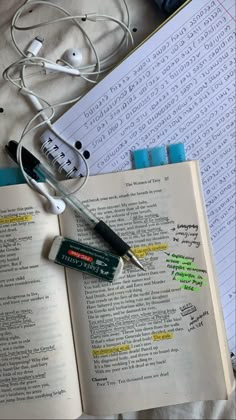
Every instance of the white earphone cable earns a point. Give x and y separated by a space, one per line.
73 18
29 60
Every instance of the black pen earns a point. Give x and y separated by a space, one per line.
36 170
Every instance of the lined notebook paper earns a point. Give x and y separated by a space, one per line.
178 86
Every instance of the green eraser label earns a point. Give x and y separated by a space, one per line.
85 258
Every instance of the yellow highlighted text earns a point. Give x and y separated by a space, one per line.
162 336
15 219
107 351
142 251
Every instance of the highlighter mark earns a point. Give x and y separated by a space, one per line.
191 288
107 351
186 272
190 279
15 219
143 251
165 335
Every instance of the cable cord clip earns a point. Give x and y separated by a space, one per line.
59 68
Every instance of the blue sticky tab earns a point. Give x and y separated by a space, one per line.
158 156
11 176
141 159
176 153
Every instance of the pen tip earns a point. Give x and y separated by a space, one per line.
138 264
135 260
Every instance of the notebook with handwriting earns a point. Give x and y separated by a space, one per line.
71 342
179 85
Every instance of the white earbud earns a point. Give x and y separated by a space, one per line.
73 57
54 205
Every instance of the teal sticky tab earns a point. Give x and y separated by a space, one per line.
158 156
176 153
11 176
141 159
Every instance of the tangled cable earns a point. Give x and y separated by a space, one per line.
69 63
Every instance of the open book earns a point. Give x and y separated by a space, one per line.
73 343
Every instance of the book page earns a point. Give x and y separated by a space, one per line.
150 338
179 85
38 373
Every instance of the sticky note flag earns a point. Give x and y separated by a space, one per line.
176 153
158 156
141 159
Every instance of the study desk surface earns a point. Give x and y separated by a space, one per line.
16 113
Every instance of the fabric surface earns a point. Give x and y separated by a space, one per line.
16 112
208 410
